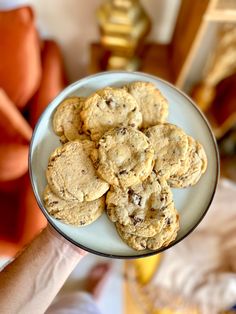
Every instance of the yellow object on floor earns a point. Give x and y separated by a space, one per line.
146 267
138 300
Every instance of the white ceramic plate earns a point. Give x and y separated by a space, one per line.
192 203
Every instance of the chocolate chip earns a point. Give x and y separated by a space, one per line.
63 141
162 208
134 198
122 131
53 203
111 103
137 220
83 171
124 105
123 172
96 163
134 109
168 221
108 102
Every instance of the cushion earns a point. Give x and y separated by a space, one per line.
20 65
52 82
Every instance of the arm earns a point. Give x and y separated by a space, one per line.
32 280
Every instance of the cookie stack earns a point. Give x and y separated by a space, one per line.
119 154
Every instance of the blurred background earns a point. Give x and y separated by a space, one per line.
45 45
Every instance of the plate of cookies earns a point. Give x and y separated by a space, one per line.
123 164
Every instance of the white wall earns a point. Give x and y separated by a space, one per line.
73 24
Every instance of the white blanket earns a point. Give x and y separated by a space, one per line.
202 267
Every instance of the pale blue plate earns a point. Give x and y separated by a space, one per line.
192 203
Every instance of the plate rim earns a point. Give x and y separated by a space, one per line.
118 256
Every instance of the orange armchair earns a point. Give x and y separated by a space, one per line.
31 75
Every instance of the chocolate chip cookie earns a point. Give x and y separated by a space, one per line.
108 108
153 105
71 175
67 122
192 166
124 157
170 145
163 238
73 212
141 209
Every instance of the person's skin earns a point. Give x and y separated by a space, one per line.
30 283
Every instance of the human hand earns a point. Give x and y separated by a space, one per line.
57 236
